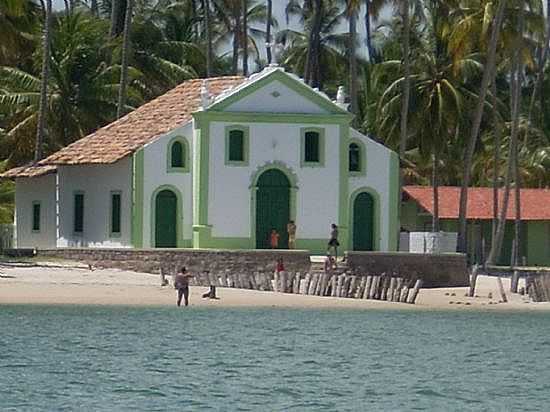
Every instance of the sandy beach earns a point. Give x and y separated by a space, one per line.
73 283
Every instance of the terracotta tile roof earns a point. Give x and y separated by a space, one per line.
28 171
535 203
155 118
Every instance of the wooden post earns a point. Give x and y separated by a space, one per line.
501 290
385 287
312 284
163 281
352 287
296 283
375 286
397 292
514 282
346 286
473 280
368 287
416 289
282 280
405 291
306 283
361 288
334 285
392 289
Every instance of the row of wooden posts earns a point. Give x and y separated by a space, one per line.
379 287
538 287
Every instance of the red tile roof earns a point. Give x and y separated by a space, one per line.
28 171
535 203
155 118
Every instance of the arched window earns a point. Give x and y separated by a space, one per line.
178 155
312 147
354 158
236 145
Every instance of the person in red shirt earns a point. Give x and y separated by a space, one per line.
280 265
274 239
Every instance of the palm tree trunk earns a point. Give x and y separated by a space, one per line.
236 41
244 10
435 185
114 17
94 8
368 37
125 59
41 124
405 92
511 169
469 153
353 86
268 30
208 32
312 56
537 87
496 158
67 7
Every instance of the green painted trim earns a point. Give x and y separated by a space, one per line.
343 201
292 178
377 235
39 203
110 221
261 117
394 203
79 192
322 142
362 158
246 144
186 168
179 214
292 83
137 198
201 171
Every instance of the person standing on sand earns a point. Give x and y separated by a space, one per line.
181 283
333 241
274 239
291 229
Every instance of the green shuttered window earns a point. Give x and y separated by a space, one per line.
312 147
236 146
115 213
36 217
79 212
177 155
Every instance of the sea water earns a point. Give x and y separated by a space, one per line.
146 359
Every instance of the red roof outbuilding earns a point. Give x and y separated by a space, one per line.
535 203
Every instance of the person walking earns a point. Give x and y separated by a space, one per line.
333 241
291 229
181 283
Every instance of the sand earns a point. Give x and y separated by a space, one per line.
73 283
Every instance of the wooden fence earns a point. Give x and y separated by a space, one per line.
378 287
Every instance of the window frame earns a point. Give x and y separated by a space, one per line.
75 194
362 158
186 158
321 132
111 214
246 145
39 204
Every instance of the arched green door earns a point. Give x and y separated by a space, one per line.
272 208
363 222
166 212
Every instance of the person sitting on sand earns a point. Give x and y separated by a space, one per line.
181 283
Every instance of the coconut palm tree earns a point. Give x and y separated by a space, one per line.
125 57
44 78
268 31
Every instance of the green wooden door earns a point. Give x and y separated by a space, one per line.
363 222
166 206
272 208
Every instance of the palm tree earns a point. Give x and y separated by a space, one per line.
268 30
244 36
208 34
352 9
488 74
125 58
44 78
18 24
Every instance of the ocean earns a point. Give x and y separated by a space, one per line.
200 359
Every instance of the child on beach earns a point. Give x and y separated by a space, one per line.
274 239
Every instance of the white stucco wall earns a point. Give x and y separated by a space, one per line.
285 100
229 208
377 179
156 175
29 190
96 182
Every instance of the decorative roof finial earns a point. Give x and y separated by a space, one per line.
205 95
341 95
